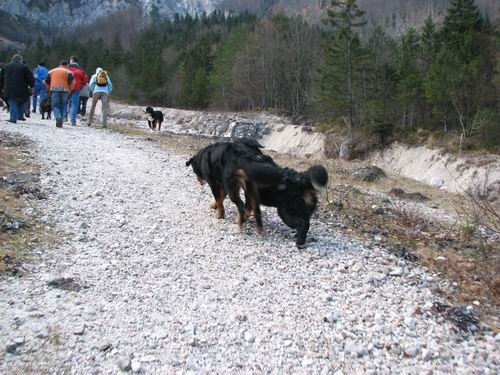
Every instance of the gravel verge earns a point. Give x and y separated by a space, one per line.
146 280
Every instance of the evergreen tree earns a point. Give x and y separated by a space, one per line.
344 58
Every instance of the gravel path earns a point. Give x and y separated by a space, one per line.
160 286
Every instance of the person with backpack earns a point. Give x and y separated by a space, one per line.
81 80
16 80
40 73
61 82
100 86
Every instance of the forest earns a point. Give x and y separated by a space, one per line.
439 82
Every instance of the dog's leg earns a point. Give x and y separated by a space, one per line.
219 195
159 126
253 204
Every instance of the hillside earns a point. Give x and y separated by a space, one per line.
394 15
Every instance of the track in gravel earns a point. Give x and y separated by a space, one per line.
167 287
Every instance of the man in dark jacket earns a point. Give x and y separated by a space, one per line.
16 80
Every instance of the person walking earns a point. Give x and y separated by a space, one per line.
60 81
81 80
16 80
39 90
100 87
84 97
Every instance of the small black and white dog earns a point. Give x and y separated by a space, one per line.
155 118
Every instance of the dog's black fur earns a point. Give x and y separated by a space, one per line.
292 193
155 118
46 107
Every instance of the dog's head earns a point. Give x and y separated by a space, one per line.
149 110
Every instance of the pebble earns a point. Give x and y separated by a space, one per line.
398 271
124 363
79 330
412 351
249 337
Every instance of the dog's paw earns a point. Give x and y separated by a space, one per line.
219 214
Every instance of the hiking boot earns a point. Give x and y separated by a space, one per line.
65 119
73 124
59 123
12 121
21 119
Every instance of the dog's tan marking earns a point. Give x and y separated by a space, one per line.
242 178
309 198
219 214
213 205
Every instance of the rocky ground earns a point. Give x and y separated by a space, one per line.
145 279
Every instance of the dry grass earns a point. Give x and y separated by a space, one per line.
15 246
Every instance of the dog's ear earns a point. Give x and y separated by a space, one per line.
188 163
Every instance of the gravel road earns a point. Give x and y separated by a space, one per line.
160 286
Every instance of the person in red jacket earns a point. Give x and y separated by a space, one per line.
81 79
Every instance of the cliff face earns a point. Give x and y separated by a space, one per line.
71 13
395 15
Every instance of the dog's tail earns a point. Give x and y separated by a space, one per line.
249 142
318 176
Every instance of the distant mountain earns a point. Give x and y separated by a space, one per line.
19 18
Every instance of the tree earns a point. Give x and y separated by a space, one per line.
344 58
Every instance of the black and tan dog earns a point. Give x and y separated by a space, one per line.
46 107
228 168
292 193
155 118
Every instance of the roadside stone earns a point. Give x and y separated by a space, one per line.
79 330
397 271
355 350
412 351
249 337
136 366
124 363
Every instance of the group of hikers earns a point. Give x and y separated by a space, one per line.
67 85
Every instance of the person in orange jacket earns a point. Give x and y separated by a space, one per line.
60 82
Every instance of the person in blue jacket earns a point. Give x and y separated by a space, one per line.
100 87
40 73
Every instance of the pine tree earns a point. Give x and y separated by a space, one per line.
344 57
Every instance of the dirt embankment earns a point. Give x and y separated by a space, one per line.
447 172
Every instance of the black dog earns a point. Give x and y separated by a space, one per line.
227 168
292 192
46 107
155 118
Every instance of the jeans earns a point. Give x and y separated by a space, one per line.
16 109
59 102
74 102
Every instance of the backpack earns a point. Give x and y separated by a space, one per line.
102 79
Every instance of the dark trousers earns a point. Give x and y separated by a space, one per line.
82 106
